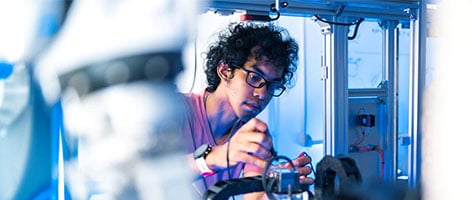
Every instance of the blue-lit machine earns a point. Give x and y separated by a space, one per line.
360 82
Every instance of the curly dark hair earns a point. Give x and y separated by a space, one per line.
234 46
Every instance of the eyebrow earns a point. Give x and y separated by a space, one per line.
259 71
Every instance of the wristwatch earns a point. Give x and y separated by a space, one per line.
200 154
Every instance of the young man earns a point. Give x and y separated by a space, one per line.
248 65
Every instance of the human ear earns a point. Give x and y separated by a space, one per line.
224 71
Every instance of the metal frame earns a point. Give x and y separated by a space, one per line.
334 66
380 9
417 84
390 59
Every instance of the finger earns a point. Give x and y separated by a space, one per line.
253 160
304 170
252 141
254 149
256 125
261 153
306 180
262 139
301 161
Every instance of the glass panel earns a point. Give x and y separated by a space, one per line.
365 56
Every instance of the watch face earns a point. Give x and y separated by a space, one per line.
201 151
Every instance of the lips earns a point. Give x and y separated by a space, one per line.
253 107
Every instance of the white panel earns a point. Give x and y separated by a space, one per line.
368 162
193 77
300 110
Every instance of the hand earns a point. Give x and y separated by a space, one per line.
251 144
300 164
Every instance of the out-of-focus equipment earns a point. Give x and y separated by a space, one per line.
334 175
28 27
113 44
338 178
280 190
14 93
27 153
112 69
278 182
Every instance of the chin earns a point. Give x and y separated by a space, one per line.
247 116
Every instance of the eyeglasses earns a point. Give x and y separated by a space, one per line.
256 80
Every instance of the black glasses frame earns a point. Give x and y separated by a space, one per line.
271 85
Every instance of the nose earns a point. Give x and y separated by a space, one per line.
261 93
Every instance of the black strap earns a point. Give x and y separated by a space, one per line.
162 66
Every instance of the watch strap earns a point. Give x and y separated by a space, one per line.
200 154
203 167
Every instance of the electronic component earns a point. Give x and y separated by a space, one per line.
286 181
278 182
367 120
283 183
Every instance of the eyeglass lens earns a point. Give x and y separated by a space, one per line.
257 81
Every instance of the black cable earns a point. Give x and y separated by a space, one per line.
276 17
357 23
267 184
272 8
227 159
194 67
265 181
227 148
337 23
311 163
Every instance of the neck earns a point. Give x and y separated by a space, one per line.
220 115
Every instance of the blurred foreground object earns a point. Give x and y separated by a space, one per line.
446 125
113 67
14 94
28 27
26 142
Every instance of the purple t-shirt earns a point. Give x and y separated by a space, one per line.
197 132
